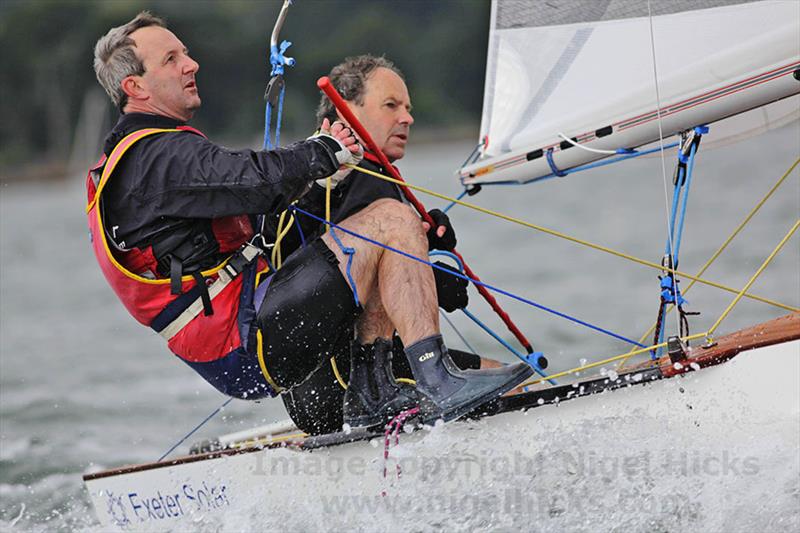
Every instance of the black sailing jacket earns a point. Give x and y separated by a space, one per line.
168 187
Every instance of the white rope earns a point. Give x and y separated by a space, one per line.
595 150
663 161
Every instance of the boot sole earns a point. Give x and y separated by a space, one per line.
461 410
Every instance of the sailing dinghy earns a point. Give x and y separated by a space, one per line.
570 84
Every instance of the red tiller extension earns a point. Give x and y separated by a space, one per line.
324 83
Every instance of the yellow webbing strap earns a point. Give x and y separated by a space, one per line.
111 163
116 156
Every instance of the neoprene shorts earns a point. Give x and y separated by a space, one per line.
308 308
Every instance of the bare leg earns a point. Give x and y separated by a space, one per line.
404 288
374 323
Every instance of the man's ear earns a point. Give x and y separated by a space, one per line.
132 87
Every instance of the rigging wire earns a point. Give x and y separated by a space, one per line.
670 264
575 240
727 241
707 334
472 280
198 426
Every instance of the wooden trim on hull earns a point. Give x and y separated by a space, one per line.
777 331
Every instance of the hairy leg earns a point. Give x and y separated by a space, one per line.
374 323
404 288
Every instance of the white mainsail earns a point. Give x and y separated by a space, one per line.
585 69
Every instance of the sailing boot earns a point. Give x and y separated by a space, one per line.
447 392
373 396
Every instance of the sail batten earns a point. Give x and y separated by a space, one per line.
587 72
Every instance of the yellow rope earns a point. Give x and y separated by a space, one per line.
328 187
610 360
277 257
707 334
695 279
722 247
766 262
336 373
571 239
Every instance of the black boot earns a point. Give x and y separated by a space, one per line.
445 391
373 396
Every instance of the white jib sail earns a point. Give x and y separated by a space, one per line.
585 69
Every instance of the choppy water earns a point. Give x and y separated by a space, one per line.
83 387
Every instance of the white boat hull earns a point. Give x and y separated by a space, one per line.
761 385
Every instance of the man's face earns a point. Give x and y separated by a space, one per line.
168 84
386 112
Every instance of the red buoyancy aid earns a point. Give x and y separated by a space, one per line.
205 337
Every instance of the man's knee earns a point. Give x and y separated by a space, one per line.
387 209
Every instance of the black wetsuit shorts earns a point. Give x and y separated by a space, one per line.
307 317
308 309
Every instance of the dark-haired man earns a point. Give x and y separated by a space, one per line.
377 94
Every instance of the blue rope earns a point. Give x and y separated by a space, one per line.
279 117
553 168
267 122
201 424
673 213
451 204
299 229
484 284
473 155
279 61
346 250
267 118
588 166
685 200
531 359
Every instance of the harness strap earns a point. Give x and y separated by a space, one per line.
175 274
204 296
186 307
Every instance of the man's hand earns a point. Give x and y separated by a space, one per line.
451 290
352 152
443 236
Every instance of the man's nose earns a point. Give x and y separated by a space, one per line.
190 66
406 118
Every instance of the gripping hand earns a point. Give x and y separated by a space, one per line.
441 236
347 151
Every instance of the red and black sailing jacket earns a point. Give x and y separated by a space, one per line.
207 314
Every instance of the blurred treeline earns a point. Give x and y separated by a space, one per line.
47 84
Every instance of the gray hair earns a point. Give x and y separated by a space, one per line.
115 59
349 78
